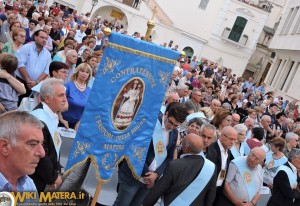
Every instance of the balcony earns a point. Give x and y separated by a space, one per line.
242 41
260 4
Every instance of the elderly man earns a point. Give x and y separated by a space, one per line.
21 148
80 33
189 180
249 123
235 119
292 141
265 122
194 104
182 92
244 179
185 79
54 100
219 153
71 60
34 61
286 189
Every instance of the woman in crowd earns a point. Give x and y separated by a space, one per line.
61 55
194 126
7 36
237 149
90 46
10 87
221 119
77 93
233 102
18 37
274 159
257 134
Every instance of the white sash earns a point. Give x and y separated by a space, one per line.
291 175
247 176
190 193
53 129
159 144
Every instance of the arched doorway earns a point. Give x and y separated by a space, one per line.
188 51
111 13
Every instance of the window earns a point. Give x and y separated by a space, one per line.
203 4
237 29
291 21
286 21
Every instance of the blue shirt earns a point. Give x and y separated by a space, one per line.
247 85
77 101
35 63
24 184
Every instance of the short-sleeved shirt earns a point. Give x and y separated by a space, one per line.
237 185
8 95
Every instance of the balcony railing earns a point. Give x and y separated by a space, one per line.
261 4
242 41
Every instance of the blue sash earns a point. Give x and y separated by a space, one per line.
159 144
163 109
247 176
53 129
190 193
292 177
237 153
273 163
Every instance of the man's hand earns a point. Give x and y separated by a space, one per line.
31 84
150 178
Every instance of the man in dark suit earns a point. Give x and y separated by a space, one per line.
286 189
133 191
53 97
220 154
180 174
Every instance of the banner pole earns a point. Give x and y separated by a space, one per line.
96 194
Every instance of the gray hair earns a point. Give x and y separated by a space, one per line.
294 153
47 87
10 123
289 120
264 117
182 86
240 128
209 127
290 135
70 52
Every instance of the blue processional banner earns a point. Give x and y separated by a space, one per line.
121 112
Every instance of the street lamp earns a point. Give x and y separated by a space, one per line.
94 3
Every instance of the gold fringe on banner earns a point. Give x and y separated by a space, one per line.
141 53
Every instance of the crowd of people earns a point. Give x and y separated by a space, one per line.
224 138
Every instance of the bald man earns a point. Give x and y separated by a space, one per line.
220 154
189 180
244 179
235 119
249 123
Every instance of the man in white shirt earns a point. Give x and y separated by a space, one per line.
80 34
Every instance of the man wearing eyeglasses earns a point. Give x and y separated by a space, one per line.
220 154
286 186
160 152
244 179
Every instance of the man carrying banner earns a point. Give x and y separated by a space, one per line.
53 97
161 150
244 179
21 148
190 180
